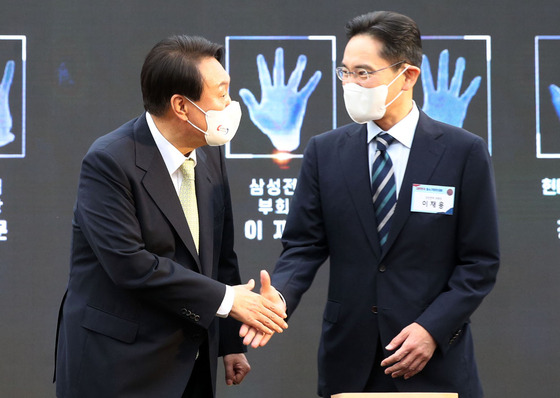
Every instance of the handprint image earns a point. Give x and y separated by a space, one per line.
282 108
6 135
445 103
555 93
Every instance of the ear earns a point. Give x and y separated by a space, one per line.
178 105
411 76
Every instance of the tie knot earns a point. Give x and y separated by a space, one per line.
383 141
188 169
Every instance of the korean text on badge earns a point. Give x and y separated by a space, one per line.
434 199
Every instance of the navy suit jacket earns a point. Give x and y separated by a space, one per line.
140 300
436 271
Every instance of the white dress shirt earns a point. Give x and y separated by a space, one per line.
173 159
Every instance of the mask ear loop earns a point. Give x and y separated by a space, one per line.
400 92
196 127
200 109
392 81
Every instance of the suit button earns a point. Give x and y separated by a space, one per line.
382 268
374 309
184 312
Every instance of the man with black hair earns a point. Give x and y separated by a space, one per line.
154 294
404 208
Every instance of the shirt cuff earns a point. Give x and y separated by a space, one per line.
227 303
283 299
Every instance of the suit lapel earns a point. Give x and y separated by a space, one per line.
161 190
425 153
353 154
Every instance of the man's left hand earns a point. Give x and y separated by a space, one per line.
236 368
415 348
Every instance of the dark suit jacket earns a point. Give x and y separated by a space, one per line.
437 269
140 300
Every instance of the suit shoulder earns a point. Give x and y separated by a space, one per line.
212 151
115 141
213 156
338 133
451 134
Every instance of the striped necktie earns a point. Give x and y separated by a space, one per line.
187 197
384 187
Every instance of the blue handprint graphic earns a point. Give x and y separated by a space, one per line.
555 93
6 135
445 104
280 113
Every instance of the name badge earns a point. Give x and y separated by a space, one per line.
434 199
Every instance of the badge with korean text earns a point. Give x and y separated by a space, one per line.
434 199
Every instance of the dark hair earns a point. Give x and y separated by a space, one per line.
398 33
171 67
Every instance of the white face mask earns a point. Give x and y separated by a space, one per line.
365 104
221 125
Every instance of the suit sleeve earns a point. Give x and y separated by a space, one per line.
304 239
477 248
106 214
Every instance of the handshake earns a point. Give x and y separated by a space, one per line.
262 315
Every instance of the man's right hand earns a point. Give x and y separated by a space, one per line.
250 334
257 311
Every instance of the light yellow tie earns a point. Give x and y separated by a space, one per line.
187 196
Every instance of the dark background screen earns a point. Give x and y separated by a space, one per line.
76 68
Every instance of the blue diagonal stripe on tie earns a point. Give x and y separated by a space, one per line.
378 170
386 200
383 187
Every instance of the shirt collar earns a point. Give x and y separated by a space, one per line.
172 157
403 131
